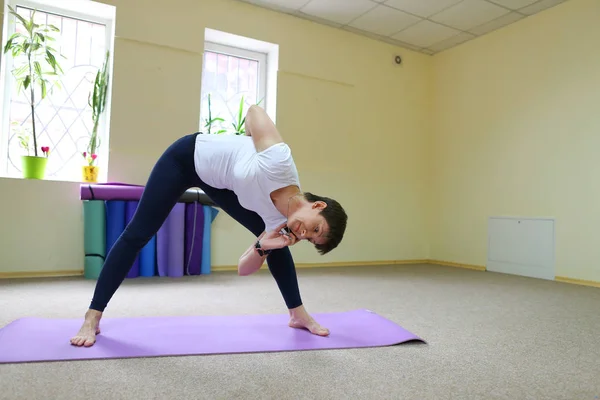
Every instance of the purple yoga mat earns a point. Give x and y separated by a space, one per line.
39 339
194 235
111 191
130 207
170 243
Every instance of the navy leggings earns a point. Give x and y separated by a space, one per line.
173 174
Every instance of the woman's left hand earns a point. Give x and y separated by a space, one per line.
277 240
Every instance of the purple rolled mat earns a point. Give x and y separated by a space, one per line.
170 243
47 339
130 207
125 191
194 236
162 249
111 192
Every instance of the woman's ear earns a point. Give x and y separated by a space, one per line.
319 205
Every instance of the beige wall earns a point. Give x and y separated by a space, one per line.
423 154
517 132
357 124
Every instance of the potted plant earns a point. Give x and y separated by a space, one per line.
210 120
30 50
97 101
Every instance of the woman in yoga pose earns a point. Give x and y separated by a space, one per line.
252 178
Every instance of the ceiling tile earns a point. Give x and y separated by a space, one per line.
513 4
384 20
540 6
385 39
422 8
339 11
469 14
497 23
451 42
279 4
317 19
425 34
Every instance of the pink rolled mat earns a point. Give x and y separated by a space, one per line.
44 339
170 243
194 237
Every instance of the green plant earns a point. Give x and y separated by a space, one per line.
210 120
239 126
29 51
97 101
24 142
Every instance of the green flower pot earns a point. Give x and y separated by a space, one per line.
34 167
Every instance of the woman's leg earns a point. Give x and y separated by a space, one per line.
169 179
280 261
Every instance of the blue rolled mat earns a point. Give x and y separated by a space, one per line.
148 258
115 222
170 243
130 207
194 233
210 213
94 237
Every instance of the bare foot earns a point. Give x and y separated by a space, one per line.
300 319
87 333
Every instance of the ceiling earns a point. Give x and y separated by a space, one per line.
427 26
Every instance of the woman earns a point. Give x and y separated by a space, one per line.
252 178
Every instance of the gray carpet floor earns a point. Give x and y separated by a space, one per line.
490 336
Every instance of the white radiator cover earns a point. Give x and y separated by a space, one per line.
522 246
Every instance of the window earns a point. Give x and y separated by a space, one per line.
64 118
237 73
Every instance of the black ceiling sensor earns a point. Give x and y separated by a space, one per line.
398 60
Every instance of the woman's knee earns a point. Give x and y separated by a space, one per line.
135 238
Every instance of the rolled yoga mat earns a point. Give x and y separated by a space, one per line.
130 207
170 243
44 339
148 258
94 237
210 213
115 222
194 234
123 191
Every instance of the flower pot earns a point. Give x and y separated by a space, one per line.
90 173
34 167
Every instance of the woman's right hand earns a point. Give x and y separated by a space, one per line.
276 240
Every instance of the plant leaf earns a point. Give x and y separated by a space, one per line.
38 68
44 89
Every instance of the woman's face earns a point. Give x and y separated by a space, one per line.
307 223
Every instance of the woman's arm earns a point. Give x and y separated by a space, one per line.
251 260
261 128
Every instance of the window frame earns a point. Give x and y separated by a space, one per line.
260 57
65 9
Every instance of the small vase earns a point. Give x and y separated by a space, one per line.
90 173
34 167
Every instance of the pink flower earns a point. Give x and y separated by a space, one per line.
84 154
94 156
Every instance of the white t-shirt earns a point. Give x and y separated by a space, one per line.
232 162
